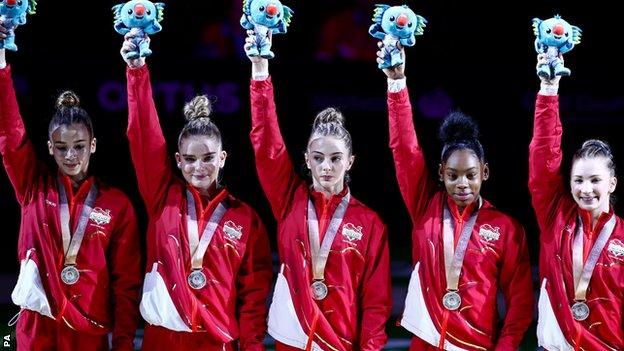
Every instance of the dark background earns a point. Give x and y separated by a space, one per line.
474 56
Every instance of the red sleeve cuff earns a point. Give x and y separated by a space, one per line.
137 72
261 84
5 72
546 100
401 96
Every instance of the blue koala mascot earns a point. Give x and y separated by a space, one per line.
12 14
264 16
554 36
393 25
139 18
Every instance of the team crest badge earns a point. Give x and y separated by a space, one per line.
100 216
232 230
352 232
488 233
616 249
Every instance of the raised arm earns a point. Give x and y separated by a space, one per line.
415 183
545 178
516 284
18 154
148 147
254 282
275 169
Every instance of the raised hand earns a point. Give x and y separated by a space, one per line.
542 60
259 65
396 72
3 32
128 48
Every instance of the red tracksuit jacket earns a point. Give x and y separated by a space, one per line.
239 270
488 264
105 298
556 213
353 315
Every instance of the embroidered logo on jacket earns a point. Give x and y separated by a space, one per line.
352 232
100 216
232 230
489 233
616 249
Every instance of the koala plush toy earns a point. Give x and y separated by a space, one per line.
394 25
264 16
13 14
139 18
554 36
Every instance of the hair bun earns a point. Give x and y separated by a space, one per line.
199 107
67 99
329 115
595 143
457 126
594 148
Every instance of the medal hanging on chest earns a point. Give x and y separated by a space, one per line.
320 252
583 272
197 279
451 300
71 243
70 275
454 256
197 247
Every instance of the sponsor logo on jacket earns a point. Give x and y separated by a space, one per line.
351 232
100 216
232 230
488 233
616 249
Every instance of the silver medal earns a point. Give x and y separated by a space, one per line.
70 275
319 290
451 300
580 311
197 279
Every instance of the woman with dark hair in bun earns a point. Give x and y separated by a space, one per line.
208 256
333 291
581 304
78 245
464 248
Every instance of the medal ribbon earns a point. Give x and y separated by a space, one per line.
71 243
454 256
583 273
197 246
320 253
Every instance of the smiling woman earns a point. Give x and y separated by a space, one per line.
593 178
200 156
581 237
209 261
